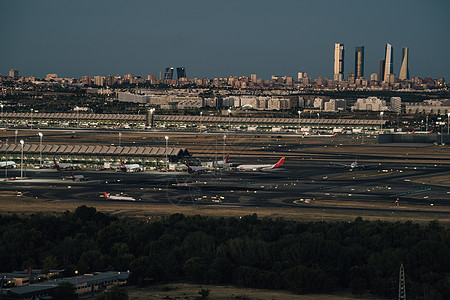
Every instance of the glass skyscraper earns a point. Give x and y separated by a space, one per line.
359 62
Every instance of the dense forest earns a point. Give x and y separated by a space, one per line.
309 257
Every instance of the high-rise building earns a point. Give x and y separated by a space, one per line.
359 62
404 71
374 77
181 72
254 77
338 62
13 73
168 73
381 72
388 62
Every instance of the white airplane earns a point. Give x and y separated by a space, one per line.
356 166
195 169
118 197
7 164
218 163
75 177
65 166
260 167
4 128
130 167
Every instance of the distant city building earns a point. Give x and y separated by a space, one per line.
374 77
168 73
99 80
301 76
404 72
381 71
14 73
351 78
432 106
51 77
371 104
396 104
389 62
318 103
359 61
335 105
181 73
254 77
338 62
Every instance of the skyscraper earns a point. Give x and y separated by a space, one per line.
13 73
168 73
359 62
389 62
181 72
404 71
381 72
338 62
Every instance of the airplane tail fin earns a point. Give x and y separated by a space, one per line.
279 163
189 168
71 174
226 159
55 163
124 168
105 194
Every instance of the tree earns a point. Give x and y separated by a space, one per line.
64 291
117 292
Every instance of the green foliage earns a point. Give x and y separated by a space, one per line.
64 291
115 293
254 252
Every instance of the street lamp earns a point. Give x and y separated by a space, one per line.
299 113
448 123
167 160
318 123
229 117
201 118
224 143
120 136
6 167
32 118
1 105
21 159
381 120
152 110
40 147
426 125
15 138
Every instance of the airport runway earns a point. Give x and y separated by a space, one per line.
299 184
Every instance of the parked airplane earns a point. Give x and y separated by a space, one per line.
75 177
9 164
4 128
195 169
65 166
260 167
118 197
218 163
130 167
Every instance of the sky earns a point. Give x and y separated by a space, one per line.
220 38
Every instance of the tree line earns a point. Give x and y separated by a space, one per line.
302 257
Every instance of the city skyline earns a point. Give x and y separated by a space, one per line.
218 39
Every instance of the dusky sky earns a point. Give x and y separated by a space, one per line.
220 38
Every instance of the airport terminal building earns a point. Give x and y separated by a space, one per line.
97 157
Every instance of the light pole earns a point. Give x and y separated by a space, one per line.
167 160
426 124
201 118
32 118
21 160
6 167
318 123
120 136
152 110
15 138
40 148
224 143
448 123
1 105
229 118
381 121
299 113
